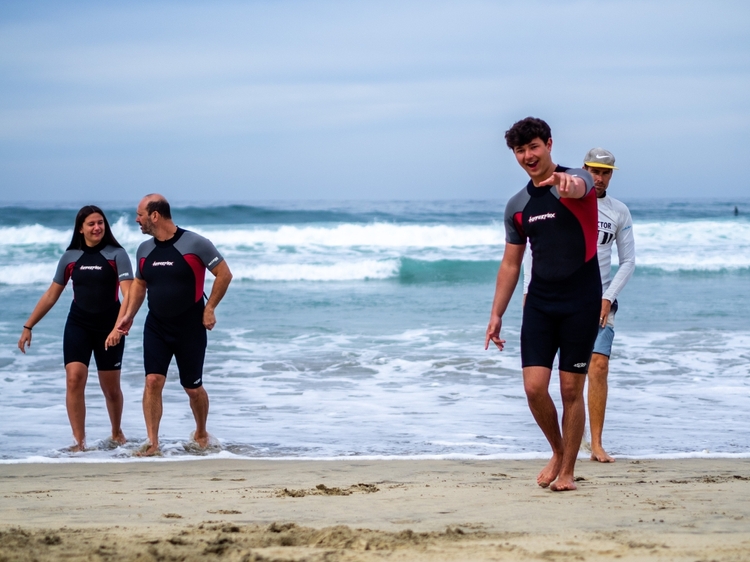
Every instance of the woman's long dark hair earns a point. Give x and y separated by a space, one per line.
78 241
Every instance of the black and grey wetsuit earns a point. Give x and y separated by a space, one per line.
96 273
174 271
564 299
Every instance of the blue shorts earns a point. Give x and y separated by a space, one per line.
603 344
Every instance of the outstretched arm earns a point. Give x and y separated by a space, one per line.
219 289
507 279
45 304
568 186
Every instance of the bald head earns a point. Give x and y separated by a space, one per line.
155 217
156 203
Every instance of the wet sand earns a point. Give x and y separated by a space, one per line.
259 510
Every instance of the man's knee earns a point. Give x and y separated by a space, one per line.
196 393
536 382
155 383
571 386
599 366
535 391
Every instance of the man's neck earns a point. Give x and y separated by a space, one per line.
544 175
165 231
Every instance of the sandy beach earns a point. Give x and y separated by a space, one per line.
262 510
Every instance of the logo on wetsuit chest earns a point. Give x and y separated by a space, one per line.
158 263
91 267
543 217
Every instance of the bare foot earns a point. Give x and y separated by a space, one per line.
563 484
598 454
119 438
203 440
77 448
148 450
549 472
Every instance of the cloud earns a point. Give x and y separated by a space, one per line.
89 86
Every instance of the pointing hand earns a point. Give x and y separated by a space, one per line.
566 184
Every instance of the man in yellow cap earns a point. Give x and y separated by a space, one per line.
615 225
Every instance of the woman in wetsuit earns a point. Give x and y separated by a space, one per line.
99 268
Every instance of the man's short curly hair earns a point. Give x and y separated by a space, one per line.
526 130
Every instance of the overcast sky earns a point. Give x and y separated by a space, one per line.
250 101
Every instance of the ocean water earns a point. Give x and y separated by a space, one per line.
357 329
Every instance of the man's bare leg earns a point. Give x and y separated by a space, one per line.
573 422
536 385
152 410
110 384
199 405
76 374
598 388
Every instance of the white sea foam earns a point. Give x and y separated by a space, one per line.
372 251
340 271
348 458
392 370
416 393
27 273
32 235
693 246
87 459
127 232
374 235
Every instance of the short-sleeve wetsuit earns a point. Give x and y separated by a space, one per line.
96 273
615 225
564 299
174 271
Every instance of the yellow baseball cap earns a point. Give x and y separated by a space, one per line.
600 158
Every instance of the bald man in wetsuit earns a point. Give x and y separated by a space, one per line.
171 268
557 213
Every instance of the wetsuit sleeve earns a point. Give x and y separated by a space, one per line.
206 251
585 176
124 268
526 270
625 252
65 266
140 256
513 219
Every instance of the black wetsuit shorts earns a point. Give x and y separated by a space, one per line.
85 333
562 316
182 337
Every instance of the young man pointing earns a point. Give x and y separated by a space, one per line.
557 213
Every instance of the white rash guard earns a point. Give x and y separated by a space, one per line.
615 225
